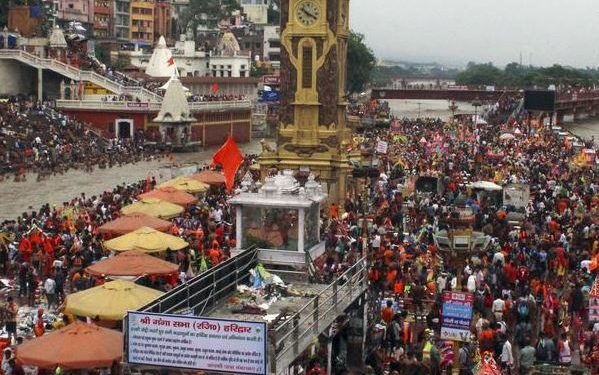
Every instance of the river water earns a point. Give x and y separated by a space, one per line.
440 108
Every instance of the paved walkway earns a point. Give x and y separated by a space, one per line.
19 197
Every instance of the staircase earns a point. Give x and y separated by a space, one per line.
77 74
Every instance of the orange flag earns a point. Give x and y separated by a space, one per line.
230 158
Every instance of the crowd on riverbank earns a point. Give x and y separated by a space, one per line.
34 138
530 285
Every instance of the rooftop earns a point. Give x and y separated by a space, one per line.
282 190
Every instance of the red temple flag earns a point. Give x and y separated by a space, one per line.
230 158
214 88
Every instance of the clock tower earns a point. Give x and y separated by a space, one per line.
312 132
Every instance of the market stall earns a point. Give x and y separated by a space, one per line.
210 177
74 347
132 263
186 184
129 223
110 301
172 195
147 240
154 207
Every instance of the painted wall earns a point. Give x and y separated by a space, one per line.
17 78
210 131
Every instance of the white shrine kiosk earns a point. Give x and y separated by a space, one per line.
280 218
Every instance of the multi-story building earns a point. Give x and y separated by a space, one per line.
256 10
76 10
272 46
103 17
122 19
163 19
178 7
141 27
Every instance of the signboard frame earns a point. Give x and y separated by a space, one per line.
458 308
126 342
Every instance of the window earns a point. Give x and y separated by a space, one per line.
307 68
70 5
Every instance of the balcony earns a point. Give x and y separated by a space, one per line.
100 25
149 107
102 10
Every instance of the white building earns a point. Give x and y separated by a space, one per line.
272 45
256 10
226 61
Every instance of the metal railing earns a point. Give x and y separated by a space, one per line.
292 337
151 106
205 290
78 74
107 105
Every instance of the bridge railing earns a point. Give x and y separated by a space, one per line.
78 74
205 290
293 336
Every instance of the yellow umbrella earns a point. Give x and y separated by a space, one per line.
154 207
186 184
110 301
147 240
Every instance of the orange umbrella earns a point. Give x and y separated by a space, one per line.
132 263
210 177
170 194
76 346
132 222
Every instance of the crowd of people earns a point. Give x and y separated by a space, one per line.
530 284
34 138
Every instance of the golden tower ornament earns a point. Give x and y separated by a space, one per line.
312 132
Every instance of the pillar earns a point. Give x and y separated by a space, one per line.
238 218
62 90
300 229
40 84
559 118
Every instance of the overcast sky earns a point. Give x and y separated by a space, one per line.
457 31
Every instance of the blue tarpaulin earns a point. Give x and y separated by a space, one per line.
270 96
35 11
12 41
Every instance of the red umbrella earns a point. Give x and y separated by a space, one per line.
76 346
129 223
210 177
170 194
132 263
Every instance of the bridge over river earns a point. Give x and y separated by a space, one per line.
575 104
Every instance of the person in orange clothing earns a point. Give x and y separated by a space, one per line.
333 211
388 256
388 313
399 288
214 253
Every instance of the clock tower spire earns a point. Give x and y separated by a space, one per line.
312 130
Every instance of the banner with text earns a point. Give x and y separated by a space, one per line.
207 344
457 316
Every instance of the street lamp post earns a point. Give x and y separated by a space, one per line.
476 103
453 108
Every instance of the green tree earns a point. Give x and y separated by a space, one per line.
360 63
480 74
274 12
207 13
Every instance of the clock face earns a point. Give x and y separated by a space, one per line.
308 12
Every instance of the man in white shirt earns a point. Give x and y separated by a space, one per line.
507 357
471 284
498 308
50 291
